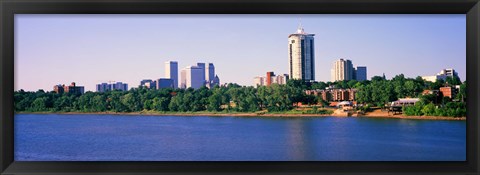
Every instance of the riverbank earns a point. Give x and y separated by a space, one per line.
373 114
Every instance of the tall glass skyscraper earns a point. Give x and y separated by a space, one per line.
171 71
301 55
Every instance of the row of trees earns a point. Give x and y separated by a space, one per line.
233 97
230 98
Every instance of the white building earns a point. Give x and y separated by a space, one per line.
259 81
171 72
301 55
192 77
183 79
443 74
282 79
342 70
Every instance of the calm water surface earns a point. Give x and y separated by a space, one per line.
52 137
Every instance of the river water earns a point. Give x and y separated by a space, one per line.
56 137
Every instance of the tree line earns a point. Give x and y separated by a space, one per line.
234 97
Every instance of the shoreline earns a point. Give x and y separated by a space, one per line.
372 115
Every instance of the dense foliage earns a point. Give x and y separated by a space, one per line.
229 98
236 98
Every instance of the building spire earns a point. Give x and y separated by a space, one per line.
300 28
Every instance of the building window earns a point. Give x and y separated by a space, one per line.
293 41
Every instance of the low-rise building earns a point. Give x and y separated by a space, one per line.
71 89
165 83
443 74
447 92
330 95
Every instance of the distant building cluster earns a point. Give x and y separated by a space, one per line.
71 89
442 75
198 76
271 78
343 70
191 76
331 95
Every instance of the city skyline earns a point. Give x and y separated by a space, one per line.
130 48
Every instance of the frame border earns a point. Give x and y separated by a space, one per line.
8 9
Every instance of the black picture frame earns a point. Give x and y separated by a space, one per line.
8 8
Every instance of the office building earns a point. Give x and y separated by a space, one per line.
103 87
194 77
361 73
202 75
342 70
171 72
165 83
210 75
301 55
183 79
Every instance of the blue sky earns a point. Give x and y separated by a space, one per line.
90 49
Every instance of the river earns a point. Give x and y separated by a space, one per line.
89 137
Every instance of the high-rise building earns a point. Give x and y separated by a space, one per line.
183 78
270 76
171 72
342 70
282 79
259 81
301 55
202 75
194 77
103 87
210 75
361 73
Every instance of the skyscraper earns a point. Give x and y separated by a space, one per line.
361 73
192 77
183 79
209 74
202 74
301 55
342 70
171 72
